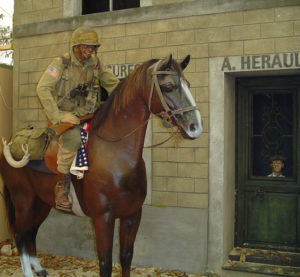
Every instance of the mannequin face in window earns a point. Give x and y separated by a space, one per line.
84 52
277 166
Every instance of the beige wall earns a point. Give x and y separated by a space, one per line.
5 131
180 175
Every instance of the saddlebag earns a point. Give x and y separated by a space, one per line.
34 138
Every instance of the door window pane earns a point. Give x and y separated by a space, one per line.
272 134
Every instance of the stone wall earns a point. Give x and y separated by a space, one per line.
180 175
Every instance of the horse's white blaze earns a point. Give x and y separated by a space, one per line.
35 264
25 263
198 123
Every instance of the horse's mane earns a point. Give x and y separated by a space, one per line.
123 93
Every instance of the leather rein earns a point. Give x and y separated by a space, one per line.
166 114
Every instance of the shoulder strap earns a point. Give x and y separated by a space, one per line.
66 59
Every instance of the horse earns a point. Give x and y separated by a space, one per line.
115 184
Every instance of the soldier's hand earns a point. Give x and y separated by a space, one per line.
70 118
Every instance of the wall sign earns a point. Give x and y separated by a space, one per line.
261 62
122 70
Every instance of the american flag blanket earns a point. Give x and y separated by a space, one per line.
80 163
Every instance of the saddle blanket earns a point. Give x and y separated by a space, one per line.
80 162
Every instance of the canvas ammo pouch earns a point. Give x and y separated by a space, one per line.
34 138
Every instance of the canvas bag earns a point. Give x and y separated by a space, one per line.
34 138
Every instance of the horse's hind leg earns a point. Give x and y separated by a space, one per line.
128 229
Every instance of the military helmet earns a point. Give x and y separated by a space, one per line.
84 35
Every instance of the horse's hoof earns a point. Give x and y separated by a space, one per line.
42 273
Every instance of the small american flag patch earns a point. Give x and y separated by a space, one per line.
52 71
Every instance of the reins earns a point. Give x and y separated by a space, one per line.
166 114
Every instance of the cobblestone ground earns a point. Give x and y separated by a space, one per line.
67 266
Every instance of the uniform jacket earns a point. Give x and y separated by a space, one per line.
66 73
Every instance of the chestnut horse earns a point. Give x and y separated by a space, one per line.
115 184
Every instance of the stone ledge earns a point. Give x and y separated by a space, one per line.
202 7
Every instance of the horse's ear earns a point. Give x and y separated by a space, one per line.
185 62
169 63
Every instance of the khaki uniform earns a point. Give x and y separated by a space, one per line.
54 91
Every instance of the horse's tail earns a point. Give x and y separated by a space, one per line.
10 212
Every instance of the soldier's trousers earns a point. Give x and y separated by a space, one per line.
69 142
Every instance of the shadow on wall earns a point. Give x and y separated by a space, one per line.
6 91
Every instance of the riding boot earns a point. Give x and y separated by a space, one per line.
61 192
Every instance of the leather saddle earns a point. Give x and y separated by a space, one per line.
50 156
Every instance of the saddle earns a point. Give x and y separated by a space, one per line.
51 149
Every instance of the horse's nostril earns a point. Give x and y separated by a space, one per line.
192 127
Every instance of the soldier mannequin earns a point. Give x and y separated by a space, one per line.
69 88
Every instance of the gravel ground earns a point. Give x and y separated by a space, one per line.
67 266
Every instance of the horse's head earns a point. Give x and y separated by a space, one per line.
170 97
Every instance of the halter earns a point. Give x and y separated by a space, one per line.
167 113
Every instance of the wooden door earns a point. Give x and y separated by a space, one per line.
268 125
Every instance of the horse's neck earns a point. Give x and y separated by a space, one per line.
128 125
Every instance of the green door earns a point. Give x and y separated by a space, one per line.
268 159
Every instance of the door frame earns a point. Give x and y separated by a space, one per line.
222 153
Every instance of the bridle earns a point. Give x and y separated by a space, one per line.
167 113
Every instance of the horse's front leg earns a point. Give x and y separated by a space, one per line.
104 230
128 229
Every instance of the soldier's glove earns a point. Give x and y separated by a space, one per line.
70 118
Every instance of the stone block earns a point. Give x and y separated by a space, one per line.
116 57
201 155
23 102
138 55
202 94
160 26
181 155
27 90
204 108
159 183
205 124
183 37
29 65
287 13
162 198
231 48
201 185
57 3
212 35
259 16
202 141
197 79
213 20
162 52
277 29
153 40
196 51
181 184
259 46
52 14
201 64
107 45
124 43
164 169
297 28
41 5
159 155
196 170
23 78
33 103
287 44
28 115
22 7
245 32
113 31
160 137
138 28
192 200
34 77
